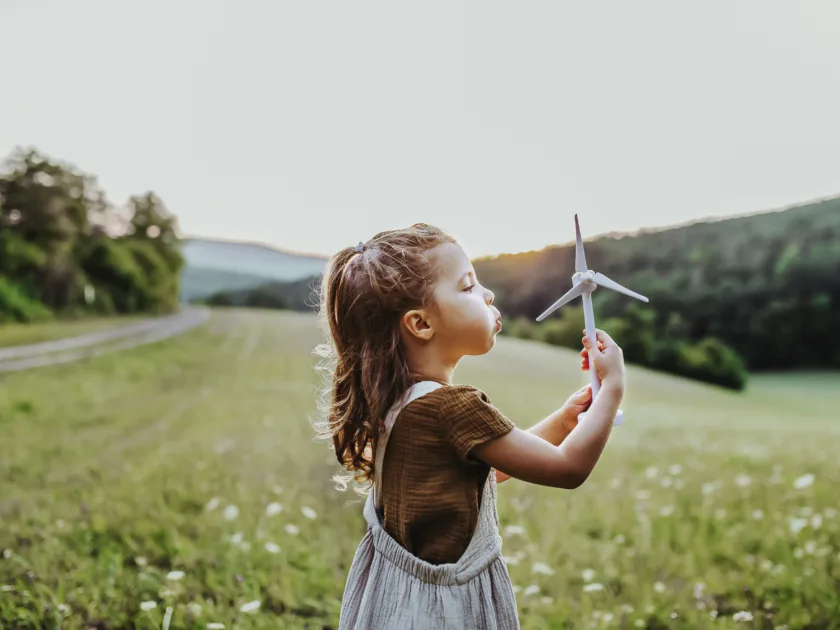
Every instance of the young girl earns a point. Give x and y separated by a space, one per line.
400 311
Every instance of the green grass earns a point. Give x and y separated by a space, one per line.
23 334
117 471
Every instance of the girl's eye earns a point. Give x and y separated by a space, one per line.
469 288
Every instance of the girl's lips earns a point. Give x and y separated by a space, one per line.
498 325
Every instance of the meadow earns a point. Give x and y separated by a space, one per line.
179 485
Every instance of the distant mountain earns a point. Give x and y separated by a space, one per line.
212 266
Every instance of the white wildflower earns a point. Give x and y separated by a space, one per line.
308 512
651 472
63 608
830 513
277 490
511 560
742 481
7 553
212 504
810 547
643 495
720 514
236 538
667 482
659 587
542 568
675 469
533 589
231 512
150 605
679 484
588 575
6 588
708 488
797 525
250 607
514 530
592 587
273 509
640 623
804 481
59 523
271 547
699 589
607 617
619 540
215 625
166 593
667 510
806 511
615 483
757 515
546 600
766 565
194 609
292 529
743 615
816 521
517 588
175 575
799 553
140 561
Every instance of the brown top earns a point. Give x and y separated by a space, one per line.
431 485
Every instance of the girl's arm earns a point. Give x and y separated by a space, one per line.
554 429
525 456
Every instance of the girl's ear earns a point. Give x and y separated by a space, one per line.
417 325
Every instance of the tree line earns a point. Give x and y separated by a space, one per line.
65 249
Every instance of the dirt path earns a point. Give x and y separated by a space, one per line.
98 343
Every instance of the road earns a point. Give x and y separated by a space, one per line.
94 344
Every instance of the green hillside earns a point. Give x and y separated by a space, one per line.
766 285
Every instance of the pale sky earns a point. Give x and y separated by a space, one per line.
312 125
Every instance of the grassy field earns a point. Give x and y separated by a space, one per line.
23 334
182 480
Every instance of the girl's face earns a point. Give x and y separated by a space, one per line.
465 318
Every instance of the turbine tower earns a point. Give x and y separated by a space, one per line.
585 281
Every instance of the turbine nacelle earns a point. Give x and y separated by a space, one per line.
585 277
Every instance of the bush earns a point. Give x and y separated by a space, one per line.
709 360
16 306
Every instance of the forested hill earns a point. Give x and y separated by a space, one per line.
768 284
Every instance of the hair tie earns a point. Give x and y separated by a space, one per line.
360 247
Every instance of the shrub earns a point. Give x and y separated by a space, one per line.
16 306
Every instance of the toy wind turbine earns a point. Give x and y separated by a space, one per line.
585 282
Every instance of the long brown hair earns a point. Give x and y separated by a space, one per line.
363 294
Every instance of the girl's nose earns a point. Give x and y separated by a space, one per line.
490 296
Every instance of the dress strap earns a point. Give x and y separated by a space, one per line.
414 392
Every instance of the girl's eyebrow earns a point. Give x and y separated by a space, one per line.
466 275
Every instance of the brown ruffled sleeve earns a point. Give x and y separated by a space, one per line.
468 419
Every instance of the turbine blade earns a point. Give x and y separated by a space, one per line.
571 295
580 256
602 281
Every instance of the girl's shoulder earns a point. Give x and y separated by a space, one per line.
467 418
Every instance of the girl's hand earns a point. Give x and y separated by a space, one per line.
576 404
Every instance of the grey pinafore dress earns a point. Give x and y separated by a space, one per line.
388 587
